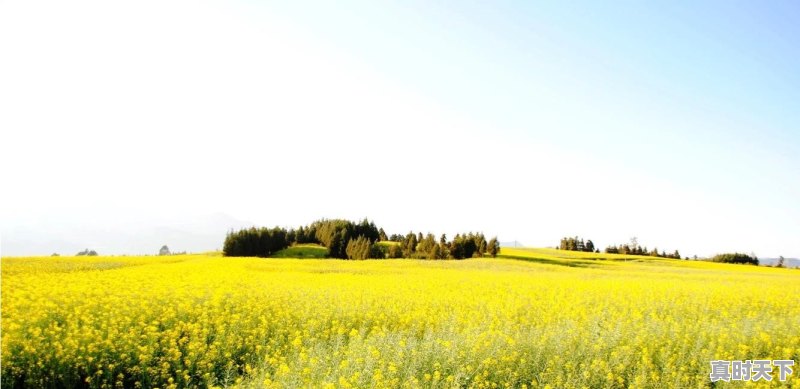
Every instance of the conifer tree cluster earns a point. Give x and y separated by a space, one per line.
87 252
255 242
576 244
736 258
335 234
362 248
462 246
349 240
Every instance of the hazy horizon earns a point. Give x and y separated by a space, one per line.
193 234
130 123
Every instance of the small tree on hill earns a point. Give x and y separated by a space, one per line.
589 246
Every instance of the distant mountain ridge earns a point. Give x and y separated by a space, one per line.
194 234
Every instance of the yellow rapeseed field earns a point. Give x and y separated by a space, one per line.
197 321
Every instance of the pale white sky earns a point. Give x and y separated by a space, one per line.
129 116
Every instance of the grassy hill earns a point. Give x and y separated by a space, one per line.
302 251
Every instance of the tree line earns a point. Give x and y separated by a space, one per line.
639 250
357 240
255 242
578 244
737 258
462 246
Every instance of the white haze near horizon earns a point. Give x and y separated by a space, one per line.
125 125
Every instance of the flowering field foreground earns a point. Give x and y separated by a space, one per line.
535 321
